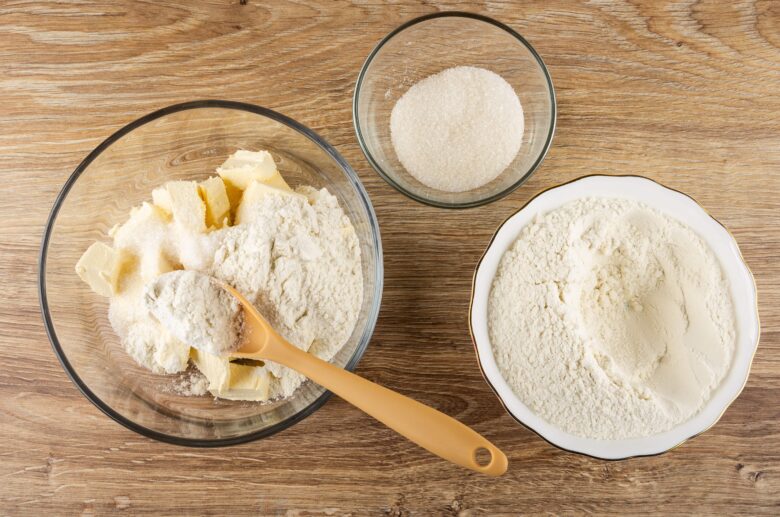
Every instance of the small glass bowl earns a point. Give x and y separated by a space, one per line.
185 141
428 45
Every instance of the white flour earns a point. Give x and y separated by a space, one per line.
145 339
299 262
196 310
297 257
191 384
610 320
457 130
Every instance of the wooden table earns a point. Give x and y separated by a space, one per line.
683 92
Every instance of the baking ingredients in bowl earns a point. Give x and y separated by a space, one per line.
611 320
294 253
458 129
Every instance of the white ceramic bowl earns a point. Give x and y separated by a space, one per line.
676 205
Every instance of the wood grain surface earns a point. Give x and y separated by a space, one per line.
684 92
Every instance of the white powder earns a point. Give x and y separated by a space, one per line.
298 259
457 130
611 320
296 256
158 244
196 310
145 339
190 384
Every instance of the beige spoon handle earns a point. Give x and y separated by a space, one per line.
425 426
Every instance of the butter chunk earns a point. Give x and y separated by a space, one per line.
214 368
142 238
217 203
234 196
247 383
171 355
188 208
243 167
100 267
254 193
146 228
154 263
162 199
232 381
144 219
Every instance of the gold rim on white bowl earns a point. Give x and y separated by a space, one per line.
675 204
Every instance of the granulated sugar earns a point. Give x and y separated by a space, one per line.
458 129
611 320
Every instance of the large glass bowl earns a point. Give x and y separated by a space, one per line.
427 45
185 141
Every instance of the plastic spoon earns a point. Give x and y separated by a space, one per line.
425 426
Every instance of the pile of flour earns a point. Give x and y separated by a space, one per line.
196 310
295 255
611 320
297 258
190 384
163 245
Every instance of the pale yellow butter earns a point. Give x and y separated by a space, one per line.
140 217
232 381
173 355
247 383
254 193
214 368
153 264
215 196
243 167
188 208
134 236
100 267
162 199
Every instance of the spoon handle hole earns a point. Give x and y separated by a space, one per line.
483 457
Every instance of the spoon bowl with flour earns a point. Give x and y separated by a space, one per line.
196 310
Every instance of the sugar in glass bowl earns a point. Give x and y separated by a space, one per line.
185 141
432 43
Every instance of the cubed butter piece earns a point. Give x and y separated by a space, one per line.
232 381
148 212
100 267
243 167
144 220
234 197
217 203
254 193
214 368
171 354
153 264
247 383
188 208
162 199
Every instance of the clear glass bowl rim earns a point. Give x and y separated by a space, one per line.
433 202
79 170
